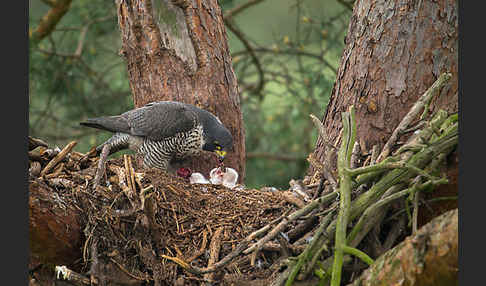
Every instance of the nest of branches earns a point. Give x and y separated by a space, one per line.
155 228
148 224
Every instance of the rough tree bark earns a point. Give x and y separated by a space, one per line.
429 257
178 50
394 51
55 231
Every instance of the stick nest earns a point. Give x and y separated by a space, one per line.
134 223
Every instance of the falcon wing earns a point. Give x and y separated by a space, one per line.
160 120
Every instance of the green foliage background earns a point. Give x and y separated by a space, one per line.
298 44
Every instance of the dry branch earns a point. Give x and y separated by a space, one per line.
234 11
59 157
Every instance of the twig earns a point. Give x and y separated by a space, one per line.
229 257
232 12
256 61
374 154
131 191
388 200
322 131
304 256
290 52
412 114
375 217
400 212
419 160
414 128
407 151
358 253
416 196
394 165
286 220
59 157
272 246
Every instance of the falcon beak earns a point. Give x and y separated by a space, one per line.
221 154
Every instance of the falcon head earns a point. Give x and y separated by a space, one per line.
219 141
217 138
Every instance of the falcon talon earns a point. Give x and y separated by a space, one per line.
163 130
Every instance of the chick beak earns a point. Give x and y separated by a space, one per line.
221 154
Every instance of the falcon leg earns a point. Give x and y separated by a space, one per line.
101 165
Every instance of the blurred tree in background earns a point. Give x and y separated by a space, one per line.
285 55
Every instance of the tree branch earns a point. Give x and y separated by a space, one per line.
50 20
249 48
290 52
232 12
344 157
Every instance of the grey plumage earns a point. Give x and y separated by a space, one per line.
163 131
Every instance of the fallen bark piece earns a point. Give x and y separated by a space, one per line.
54 226
428 258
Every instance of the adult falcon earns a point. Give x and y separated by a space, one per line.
164 132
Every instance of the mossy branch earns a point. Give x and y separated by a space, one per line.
421 103
358 253
388 200
344 158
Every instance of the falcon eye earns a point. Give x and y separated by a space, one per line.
218 147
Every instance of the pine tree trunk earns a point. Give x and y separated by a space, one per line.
178 50
428 258
394 51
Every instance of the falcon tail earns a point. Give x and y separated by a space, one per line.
109 123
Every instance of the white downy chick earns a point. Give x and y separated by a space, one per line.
227 179
198 178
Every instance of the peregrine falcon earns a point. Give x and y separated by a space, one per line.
164 132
